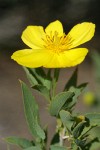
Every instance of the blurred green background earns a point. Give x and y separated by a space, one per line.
15 15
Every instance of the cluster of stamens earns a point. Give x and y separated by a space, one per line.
57 43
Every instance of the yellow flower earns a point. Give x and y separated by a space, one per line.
52 48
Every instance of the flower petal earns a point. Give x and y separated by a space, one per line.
31 58
37 58
81 33
54 26
67 59
32 36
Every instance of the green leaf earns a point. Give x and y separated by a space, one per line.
31 112
58 102
85 132
21 142
33 148
38 73
78 129
72 81
43 90
80 143
82 86
47 83
93 118
41 77
30 77
54 147
77 91
56 74
74 100
49 73
75 147
94 142
67 119
37 76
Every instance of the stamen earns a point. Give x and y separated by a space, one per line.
57 44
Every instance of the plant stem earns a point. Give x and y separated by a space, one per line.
61 135
54 80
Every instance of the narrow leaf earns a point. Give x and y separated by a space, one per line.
93 118
94 142
58 102
80 143
72 81
77 91
67 119
78 129
31 112
74 146
30 77
82 86
38 73
42 77
49 74
43 90
56 74
21 142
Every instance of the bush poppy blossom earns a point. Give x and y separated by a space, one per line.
52 48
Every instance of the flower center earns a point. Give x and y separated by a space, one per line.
57 43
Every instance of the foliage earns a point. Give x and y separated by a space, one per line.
75 129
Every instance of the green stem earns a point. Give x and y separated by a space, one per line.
54 81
